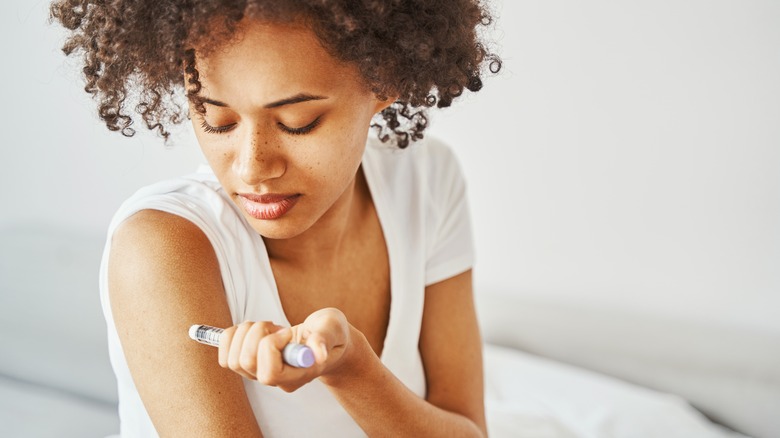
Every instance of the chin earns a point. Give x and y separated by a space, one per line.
275 229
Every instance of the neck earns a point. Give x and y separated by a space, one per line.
323 243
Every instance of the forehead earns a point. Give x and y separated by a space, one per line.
266 60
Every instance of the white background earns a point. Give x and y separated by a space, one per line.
627 155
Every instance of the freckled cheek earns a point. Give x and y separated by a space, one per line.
316 169
329 168
219 157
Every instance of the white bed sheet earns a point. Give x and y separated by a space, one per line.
526 396
529 396
28 410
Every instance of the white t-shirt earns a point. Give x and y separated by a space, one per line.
420 198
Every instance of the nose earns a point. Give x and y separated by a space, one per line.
259 159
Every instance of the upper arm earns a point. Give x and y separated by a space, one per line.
164 276
451 348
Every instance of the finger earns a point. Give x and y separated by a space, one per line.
330 324
328 331
248 355
236 345
329 320
319 345
269 358
224 346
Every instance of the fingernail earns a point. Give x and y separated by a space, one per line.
323 350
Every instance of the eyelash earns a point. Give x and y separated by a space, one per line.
215 129
303 130
293 131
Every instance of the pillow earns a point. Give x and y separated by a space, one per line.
527 395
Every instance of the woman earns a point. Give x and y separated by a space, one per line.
301 229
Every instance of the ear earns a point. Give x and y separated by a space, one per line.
381 104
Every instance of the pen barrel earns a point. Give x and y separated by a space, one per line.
206 334
296 355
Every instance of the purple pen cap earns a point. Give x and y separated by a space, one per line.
298 355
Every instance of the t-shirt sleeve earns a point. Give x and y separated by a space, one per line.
450 244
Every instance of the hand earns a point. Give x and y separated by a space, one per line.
254 349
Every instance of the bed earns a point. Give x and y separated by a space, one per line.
552 370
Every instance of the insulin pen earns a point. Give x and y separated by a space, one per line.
297 355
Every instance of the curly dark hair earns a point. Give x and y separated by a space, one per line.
426 52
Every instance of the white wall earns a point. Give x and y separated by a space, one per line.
628 155
60 164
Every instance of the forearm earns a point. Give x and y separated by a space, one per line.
383 406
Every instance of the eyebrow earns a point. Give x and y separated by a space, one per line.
298 98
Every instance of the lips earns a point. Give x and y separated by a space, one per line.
269 206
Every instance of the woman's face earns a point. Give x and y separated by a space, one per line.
285 126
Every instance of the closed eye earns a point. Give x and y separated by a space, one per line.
302 130
216 129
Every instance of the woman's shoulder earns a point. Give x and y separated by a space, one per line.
190 207
163 219
185 220
148 230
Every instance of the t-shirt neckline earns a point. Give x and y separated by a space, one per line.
377 191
